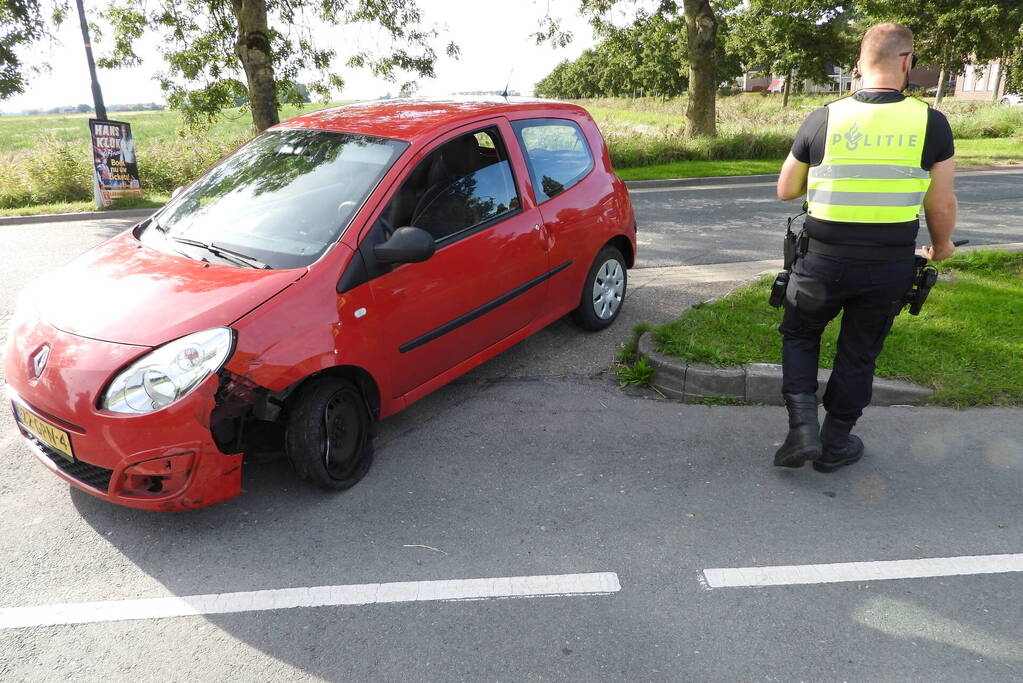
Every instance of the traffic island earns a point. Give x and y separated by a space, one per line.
752 383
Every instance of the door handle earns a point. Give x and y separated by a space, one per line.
537 227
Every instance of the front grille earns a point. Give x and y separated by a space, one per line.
90 475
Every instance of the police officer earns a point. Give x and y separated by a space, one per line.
867 164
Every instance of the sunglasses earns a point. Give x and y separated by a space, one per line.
912 64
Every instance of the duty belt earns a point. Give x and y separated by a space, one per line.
867 253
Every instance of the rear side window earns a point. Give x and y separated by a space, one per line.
556 152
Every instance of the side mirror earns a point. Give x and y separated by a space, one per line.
177 191
406 245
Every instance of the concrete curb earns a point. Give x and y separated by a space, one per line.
753 383
81 216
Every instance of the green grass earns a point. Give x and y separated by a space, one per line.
966 344
630 368
980 152
989 151
700 169
150 201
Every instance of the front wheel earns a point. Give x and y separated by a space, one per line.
327 435
603 292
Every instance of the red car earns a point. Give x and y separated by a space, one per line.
327 274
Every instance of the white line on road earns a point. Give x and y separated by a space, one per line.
744 577
560 585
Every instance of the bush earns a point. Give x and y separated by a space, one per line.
984 120
629 151
167 165
59 170
14 190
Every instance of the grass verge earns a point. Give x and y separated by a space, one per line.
701 169
150 201
988 151
965 344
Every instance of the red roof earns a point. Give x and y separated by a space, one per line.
406 119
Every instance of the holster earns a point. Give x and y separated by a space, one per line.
925 279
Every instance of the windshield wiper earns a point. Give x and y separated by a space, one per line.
153 223
223 252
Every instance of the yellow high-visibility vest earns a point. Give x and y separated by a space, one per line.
871 169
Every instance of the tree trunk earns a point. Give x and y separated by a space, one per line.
701 35
787 89
253 50
998 79
942 81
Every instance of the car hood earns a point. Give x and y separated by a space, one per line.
122 291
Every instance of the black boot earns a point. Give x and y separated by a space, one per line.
840 448
802 442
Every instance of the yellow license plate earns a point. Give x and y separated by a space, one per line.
57 439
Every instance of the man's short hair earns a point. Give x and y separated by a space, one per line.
882 44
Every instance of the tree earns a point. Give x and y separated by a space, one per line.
793 37
702 35
210 45
950 33
643 58
1000 36
22 22
701 49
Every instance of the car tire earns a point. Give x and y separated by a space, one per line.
603 292
327 435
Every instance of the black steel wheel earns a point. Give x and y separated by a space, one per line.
328 433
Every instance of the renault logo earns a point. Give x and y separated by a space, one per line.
39 360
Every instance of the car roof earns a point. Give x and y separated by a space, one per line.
407 119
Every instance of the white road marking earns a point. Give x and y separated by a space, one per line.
744 577
560 585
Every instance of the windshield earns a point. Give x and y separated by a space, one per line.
280 201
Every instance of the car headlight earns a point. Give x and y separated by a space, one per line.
163 376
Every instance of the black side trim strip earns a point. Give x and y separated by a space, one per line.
481 311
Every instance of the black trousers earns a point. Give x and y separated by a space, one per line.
819 288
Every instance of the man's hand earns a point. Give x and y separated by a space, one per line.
939 252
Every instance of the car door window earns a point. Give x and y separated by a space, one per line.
556 152
464 184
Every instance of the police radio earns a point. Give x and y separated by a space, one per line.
791 249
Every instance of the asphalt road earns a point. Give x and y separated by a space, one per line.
724 223
538 464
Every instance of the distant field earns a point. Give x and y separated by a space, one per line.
22 132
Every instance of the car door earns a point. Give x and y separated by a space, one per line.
487 278
574 203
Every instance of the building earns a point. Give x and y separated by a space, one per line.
754 81
978 82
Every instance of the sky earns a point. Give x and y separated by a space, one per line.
494 36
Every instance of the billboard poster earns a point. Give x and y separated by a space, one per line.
115 172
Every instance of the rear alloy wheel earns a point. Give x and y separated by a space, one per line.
327 436
603 292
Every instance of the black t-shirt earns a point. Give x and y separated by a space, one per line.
809 149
